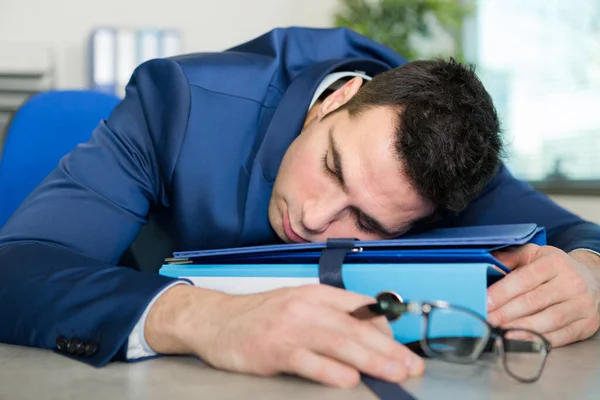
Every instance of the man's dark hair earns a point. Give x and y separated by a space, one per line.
448 136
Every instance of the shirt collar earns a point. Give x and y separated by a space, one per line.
331 79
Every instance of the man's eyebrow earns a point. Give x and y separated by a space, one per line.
337 163
373 223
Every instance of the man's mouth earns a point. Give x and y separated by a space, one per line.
289 232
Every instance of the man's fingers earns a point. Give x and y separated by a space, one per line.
569 334
363 346
383 325
325 343
551 319
388 347
376 340
322 369
514 257
534 301
360 355
521 281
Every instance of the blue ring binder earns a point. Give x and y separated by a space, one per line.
451 264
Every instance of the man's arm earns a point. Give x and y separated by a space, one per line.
58 252
506 200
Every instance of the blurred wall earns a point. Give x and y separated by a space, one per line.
586 207
205 25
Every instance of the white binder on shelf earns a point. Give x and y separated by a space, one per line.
126 59
148 45
103 60
116 52
170 43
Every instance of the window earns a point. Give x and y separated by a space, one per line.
540 61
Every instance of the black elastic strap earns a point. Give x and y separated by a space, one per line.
331 260
330 273
386 390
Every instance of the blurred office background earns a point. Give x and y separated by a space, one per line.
540 60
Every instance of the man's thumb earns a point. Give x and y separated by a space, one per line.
516 256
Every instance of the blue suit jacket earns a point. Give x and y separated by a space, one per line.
194 148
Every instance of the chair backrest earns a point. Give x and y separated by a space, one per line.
43 130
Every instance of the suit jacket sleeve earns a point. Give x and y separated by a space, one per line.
506 200
59 251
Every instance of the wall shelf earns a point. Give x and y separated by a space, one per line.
25 69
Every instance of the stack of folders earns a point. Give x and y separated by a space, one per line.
455 265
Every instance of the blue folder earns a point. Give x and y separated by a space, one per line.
451 264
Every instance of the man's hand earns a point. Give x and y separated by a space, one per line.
549 291
302 330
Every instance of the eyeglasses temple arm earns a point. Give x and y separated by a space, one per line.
522 346
368 311
513 345
389 310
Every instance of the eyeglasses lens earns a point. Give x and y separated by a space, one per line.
455 334
524 354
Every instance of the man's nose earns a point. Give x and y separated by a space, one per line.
319 213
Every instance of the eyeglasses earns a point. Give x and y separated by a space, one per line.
523 351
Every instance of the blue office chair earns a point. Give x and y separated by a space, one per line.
45 128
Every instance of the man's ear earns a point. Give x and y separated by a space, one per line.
340 97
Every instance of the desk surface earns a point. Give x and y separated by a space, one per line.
571 373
